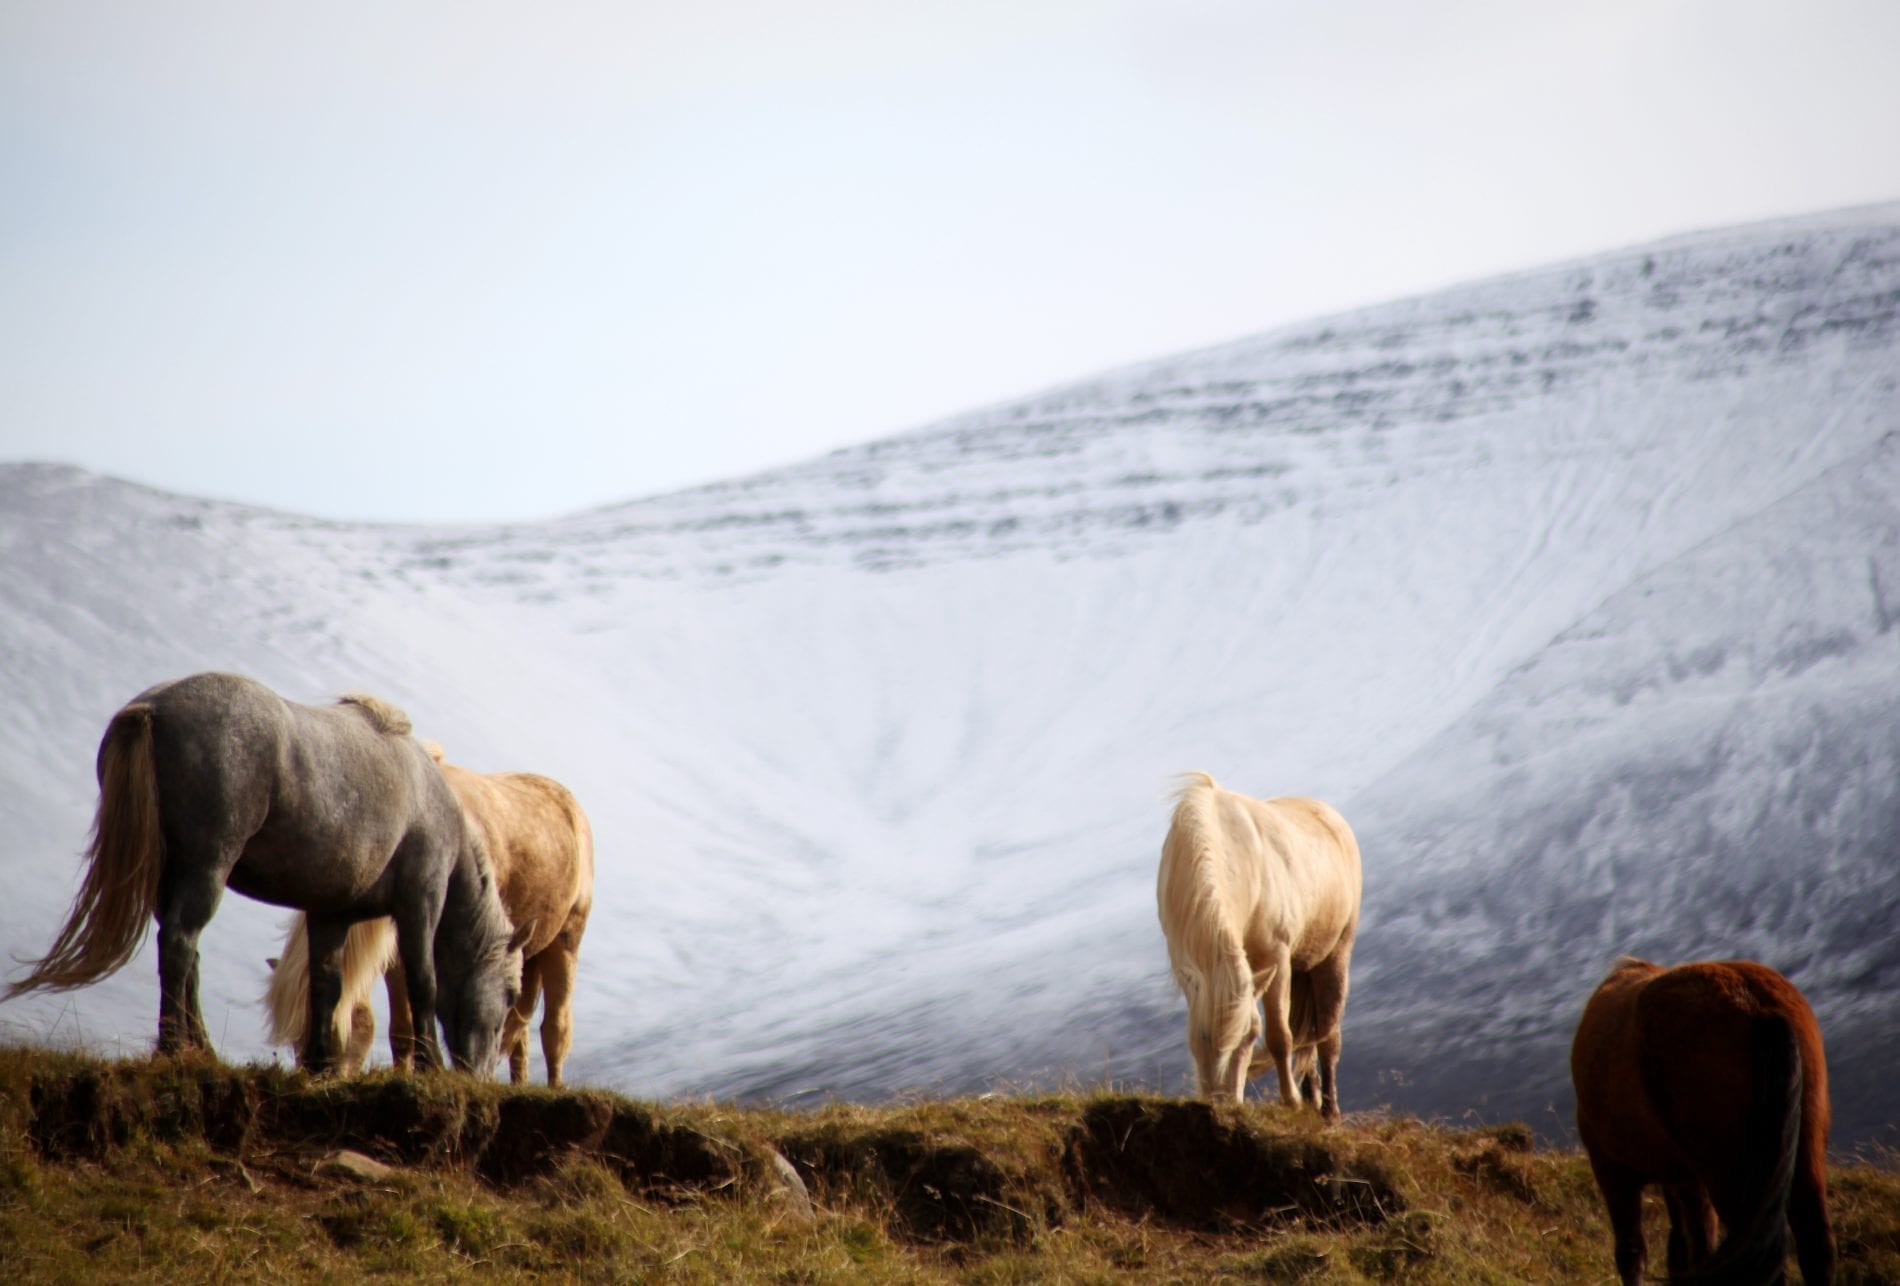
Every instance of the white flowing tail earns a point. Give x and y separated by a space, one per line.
367 954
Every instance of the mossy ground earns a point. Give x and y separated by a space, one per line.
188 1170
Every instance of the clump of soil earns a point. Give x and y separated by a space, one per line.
939 1190
535 1134
82 1112
1193 1166
411 1120
659 1159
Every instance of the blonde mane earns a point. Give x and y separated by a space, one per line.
386 717
1204 946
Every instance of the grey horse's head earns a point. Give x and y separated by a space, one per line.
478 975
474 1006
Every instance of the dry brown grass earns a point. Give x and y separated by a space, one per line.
186 1170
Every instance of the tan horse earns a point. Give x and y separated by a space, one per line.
542 849
1259 899
1710 1080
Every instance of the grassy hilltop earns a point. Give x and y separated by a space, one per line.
190 1170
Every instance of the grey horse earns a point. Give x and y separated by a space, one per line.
214 781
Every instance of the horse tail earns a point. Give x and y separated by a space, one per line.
1303 1017
367 952
287 995
119 894
1758 1251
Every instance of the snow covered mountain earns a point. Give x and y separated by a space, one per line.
1576 591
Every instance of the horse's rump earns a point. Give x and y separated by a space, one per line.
538 840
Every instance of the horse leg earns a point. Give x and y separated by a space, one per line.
415 944
557 1015
325 936
1807 1214
1692 1229
1807 1192
1328 982
1261 1061
402 1031
1277 1000
177 964
186 901
1623 1198
362 1035
514 1029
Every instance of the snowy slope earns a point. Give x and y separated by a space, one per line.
1575 590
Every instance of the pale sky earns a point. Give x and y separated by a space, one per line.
478 261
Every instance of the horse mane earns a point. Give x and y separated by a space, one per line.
1189 781
384 716
1189 892
1210 963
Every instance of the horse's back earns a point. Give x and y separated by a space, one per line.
1286 868
1314 865
1293 831
539 841
229 728
1321 835
243 768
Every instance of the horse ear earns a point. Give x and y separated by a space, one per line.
272 962
521 936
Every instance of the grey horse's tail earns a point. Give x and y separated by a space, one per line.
1758 1251
119 894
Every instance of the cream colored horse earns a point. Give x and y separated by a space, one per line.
542 850
1259 899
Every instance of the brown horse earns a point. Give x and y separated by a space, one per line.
542 849
1710 1080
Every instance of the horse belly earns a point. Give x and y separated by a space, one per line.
1318 937
339 878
